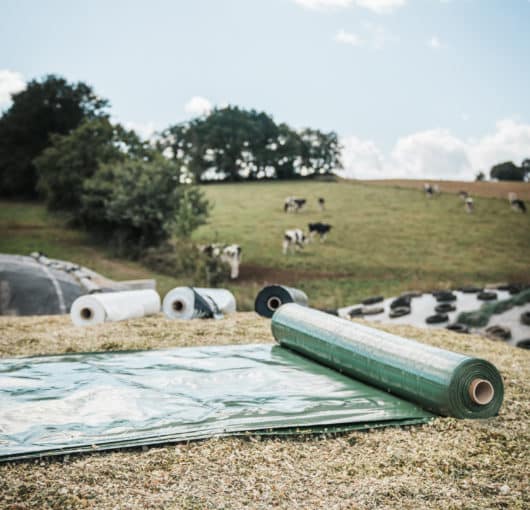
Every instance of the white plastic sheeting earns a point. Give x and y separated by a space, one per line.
114 306
190 303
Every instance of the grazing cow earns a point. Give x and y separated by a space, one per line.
463 194
516 204
428 189
293 204
469 205
294 239
228 253
320 229
321 203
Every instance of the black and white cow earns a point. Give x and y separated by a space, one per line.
427 188
228 253
293 204
516 203
320 229
469 204
293 239
321 203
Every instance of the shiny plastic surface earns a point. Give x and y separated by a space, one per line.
52 405
435 379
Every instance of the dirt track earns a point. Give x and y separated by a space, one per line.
479 189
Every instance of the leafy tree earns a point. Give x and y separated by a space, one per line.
321 152
51 105
134 203
481 176
507 171
72 158
235 144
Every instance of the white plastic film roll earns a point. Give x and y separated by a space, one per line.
114 306
181 303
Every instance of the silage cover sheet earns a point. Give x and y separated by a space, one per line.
92 401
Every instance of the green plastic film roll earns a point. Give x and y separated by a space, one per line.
440 381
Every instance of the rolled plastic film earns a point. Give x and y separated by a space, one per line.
441 381
182 303
114 306
270 298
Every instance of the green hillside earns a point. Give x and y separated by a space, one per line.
384 240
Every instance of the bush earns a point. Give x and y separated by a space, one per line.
71 159
134 204
183 258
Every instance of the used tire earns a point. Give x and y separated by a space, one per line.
457 327
444 308
373 300
487 295
411 294
524 344
399 311
525 318
499 332
470 290
356 312
444 296
437 318
401 302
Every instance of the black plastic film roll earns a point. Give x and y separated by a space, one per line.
440 381
270 298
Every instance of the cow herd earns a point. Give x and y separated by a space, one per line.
516 204
294 239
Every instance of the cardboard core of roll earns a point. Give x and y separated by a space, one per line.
178 305
86 313
481 391
273 303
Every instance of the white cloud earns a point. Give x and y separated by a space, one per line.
348 38
11 82
373 36
198 105
381 6
437 154
510 142
435 43
323 4
377 6
430 154
361 159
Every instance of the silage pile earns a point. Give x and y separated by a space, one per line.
446 464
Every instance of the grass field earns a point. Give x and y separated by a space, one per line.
384 240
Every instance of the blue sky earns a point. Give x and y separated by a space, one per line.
420 88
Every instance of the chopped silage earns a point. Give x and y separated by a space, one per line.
448 463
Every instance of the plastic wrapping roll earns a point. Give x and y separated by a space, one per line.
270 298
440 381
191 303
114 306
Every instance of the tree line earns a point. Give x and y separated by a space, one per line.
57 143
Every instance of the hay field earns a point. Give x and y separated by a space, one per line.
448 463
